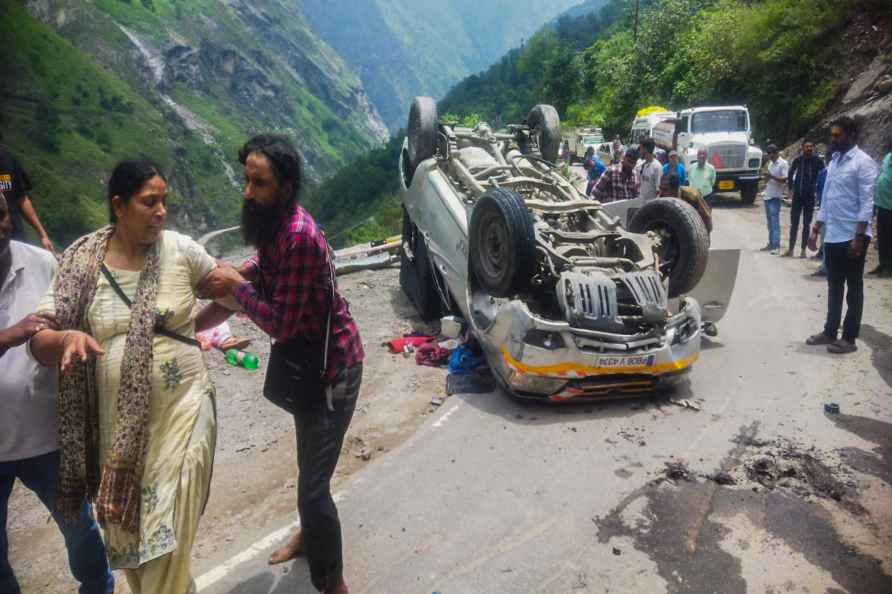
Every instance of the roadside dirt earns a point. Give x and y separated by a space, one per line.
255 467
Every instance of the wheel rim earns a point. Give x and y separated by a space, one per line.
494 255
669 251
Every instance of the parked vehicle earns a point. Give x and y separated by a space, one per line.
645 122
726 134
563 300
580 139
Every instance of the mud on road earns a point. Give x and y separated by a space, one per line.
255 472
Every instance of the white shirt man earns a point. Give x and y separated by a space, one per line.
649 170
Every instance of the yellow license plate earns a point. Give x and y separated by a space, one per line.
726 184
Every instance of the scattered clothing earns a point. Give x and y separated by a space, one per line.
463 360
432 355
398 345
702 178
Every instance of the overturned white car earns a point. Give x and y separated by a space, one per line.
564 301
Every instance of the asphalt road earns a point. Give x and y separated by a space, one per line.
495 496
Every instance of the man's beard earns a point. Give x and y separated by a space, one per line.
259 223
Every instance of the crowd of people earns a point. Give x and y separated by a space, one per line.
109 412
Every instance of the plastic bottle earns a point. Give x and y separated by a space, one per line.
242 358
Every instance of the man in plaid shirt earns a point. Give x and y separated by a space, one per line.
620 181
287 290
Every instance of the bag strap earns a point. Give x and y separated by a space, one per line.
158 328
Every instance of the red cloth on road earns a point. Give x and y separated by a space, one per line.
432 355
397 345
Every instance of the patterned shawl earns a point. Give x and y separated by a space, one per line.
116 491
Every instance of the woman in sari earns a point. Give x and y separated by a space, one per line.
137 422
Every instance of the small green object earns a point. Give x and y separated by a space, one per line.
242 359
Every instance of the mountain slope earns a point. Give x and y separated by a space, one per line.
403 48
182 82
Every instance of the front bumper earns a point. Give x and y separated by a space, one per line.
578 365
734 179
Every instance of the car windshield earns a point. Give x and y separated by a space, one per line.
592 139
730 120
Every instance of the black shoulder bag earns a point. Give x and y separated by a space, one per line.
159 329
296 368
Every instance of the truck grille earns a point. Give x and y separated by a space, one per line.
727 156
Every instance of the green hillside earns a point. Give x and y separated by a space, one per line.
181 82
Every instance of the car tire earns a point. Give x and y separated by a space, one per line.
545 124
748 192
685 241
422 131
502 243
416 273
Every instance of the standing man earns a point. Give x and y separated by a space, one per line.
778 170
619 182
702 174
883 202
29 448
673 166
846 211
15 183
288 289
649 170
803 181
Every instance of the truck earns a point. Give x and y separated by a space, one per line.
645 122
579 140
726 133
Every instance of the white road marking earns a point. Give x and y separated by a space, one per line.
442 420
221 571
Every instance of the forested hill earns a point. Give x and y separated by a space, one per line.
793 62
785 59
401 48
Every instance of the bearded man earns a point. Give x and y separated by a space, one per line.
288 289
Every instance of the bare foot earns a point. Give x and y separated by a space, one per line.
290 551
338 587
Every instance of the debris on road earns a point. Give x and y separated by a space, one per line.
479 382
685 404
832 408
678 471
723 478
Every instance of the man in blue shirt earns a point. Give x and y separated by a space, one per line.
846 212
673 166
595 167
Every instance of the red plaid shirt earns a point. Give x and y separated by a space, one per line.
295 272
612 185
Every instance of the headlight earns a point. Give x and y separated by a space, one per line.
754 163
543 339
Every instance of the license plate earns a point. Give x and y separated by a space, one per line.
726 184
629 361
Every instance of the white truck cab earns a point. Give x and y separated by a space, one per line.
726 133
580 139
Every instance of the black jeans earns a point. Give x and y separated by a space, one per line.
884 237
320 435
841 271
803 206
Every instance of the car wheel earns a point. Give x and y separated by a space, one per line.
502 243
748 192
416 273
545 126
422 131
684 241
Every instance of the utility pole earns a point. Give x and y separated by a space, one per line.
637 2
